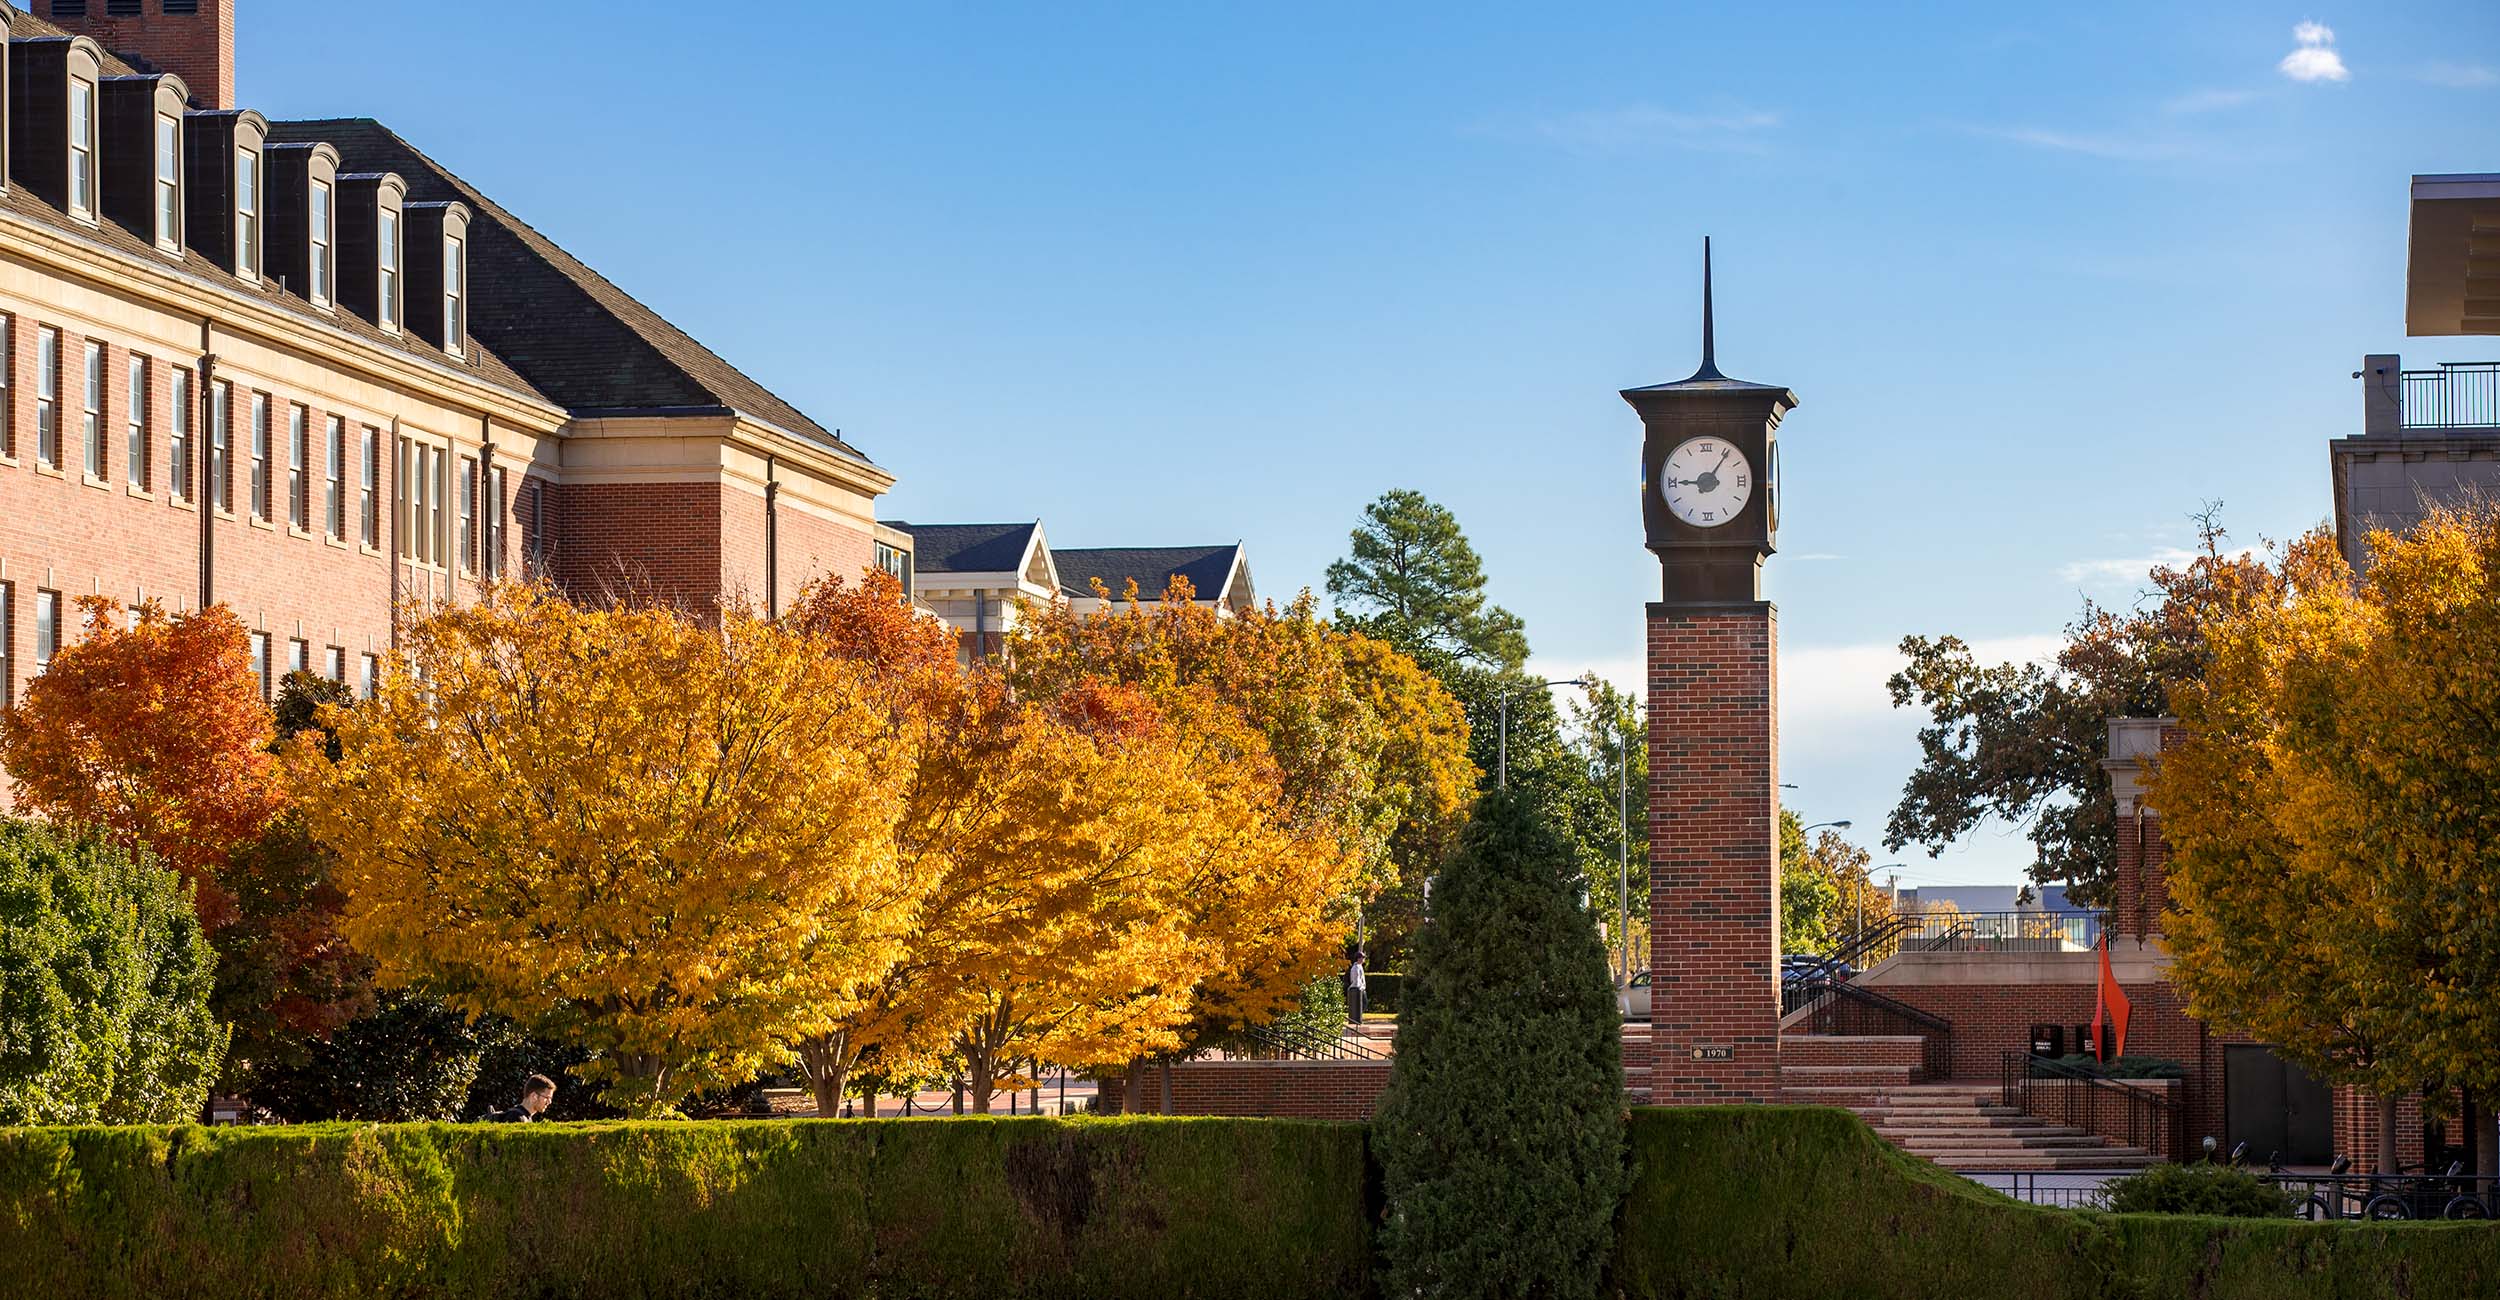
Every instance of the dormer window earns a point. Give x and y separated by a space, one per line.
168 183
247 214
455 293
322 265
387 250
82 148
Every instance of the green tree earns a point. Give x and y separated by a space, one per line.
1824 890
105 975
1412 580
1500 1137
2022 743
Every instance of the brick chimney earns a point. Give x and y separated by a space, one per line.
192 39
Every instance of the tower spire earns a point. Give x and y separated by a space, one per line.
1709 333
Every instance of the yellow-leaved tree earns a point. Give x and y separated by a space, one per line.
2334 814
666 838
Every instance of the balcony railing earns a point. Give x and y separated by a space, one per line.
2458 395
2002 931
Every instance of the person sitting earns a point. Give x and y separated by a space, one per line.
535 1097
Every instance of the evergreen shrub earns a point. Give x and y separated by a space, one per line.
2219 1190
105 978
1500 1137
758 1210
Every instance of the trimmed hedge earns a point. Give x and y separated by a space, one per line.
1784 1201
894 1208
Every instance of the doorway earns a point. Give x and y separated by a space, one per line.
2276 1107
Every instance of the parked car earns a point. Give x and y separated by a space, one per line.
1633 1000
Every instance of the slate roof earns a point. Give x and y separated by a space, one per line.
966 548
482 361
1208 568
588 345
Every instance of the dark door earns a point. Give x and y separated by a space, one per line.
2275 1107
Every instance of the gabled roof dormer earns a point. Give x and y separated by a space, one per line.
302 240
373 245
143 158
55 113
224 172
438 274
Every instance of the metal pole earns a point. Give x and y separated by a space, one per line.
1502 764
1623 858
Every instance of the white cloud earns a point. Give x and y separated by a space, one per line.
2458 76
1647 126
2127 571
2209 101
2120 148
2315 58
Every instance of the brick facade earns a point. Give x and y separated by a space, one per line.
1714 853
1348 1090
197 47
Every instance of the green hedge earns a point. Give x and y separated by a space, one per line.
1026 1207
1784 1201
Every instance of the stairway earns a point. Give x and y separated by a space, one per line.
1960 1126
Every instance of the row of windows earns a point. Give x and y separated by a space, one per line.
473 534
299 659
85 143
50 631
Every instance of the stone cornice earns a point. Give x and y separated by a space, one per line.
185 293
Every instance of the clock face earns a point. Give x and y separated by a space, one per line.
1706 482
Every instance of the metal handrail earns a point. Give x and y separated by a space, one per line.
1823 1000
2155 1122
1291 1043
2458 395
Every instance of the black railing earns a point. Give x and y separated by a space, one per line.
2454 1194
2048 1089
1833 1006
1291 1043
2458 395
2003 931
1857 950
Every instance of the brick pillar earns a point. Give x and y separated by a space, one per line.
1714 853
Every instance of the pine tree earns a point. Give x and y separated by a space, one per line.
1413 580
1501 1135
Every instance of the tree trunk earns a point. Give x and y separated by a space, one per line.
826 1061
1133 1087
1167 1085
2386 1134
868 1096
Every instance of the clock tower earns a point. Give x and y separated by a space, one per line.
1710 504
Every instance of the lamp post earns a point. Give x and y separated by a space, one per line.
1501 778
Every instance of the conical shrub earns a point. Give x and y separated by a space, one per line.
1500 1139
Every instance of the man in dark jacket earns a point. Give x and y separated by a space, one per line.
535 1095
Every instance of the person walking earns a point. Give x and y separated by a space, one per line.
535 1098
1355 986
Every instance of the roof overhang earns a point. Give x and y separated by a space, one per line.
2452 257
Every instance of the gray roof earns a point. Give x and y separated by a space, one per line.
966 548
1208 568
576 337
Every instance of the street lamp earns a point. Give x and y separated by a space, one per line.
1841 825
1502 763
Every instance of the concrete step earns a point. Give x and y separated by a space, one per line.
1926 1144
1860 1076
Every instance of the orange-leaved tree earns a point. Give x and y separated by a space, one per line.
907 675
150 732
663 837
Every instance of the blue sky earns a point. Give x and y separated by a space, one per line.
2043 279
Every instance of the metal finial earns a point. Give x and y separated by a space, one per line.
1709 331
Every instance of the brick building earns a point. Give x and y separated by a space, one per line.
303 369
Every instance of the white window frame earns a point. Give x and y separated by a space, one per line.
221 445
178 435
48 397
261 477
82 148
334 506
323 216
91 408
135 420
168 183
386 249
298 465
455 293
247 204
